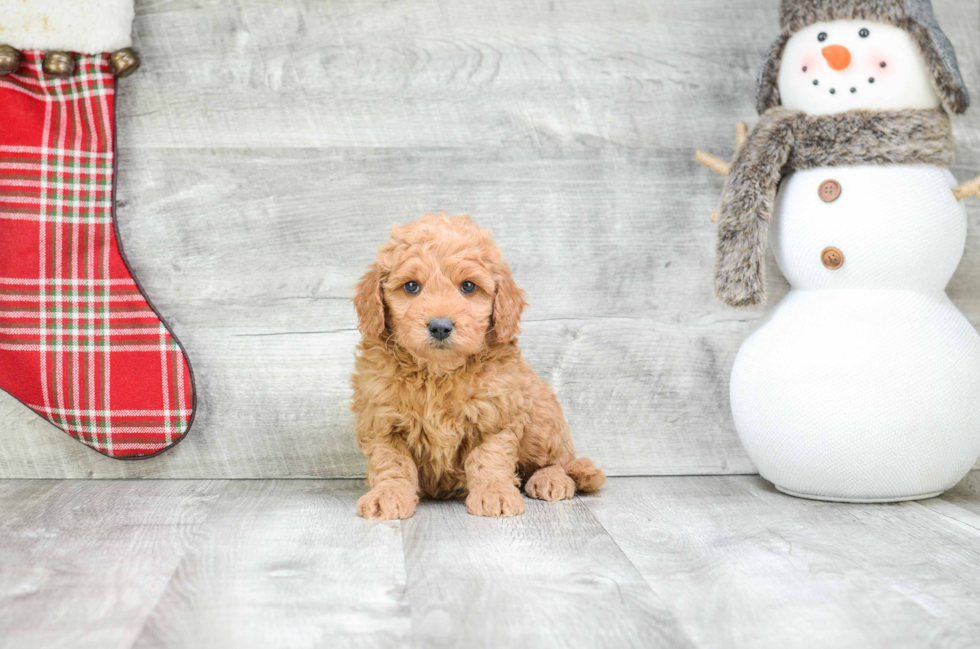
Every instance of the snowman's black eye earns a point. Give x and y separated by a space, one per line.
822 36
863 33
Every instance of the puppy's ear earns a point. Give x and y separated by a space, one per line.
508 305
369 303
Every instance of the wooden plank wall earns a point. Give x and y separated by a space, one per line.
267 146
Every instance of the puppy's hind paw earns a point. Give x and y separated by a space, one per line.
587 476
550 483
498 499
388 501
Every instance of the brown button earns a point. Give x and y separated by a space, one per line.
829 191
832 258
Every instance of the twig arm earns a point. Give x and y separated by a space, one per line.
741 135
713 162
970 188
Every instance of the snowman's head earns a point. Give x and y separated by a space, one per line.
831 67
839 55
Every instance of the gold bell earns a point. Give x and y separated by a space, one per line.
124 62
9 60
58 64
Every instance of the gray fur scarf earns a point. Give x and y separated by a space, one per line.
786 140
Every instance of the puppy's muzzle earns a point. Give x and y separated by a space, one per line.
440 328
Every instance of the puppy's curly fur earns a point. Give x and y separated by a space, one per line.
464 415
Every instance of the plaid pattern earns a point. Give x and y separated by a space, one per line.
79 344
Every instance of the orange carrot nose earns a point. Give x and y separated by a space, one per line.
838 56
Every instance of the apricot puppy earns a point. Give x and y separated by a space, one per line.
446 405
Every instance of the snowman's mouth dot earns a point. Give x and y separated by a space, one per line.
882 64
853 90
804 68
815 82
832 91
871 80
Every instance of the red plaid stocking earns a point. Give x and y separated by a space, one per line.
79 342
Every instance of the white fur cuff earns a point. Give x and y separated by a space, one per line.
85 26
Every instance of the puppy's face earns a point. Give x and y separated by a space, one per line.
440 301
440 290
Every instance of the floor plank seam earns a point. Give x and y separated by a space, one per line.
936 512
413 642
653 593
150 610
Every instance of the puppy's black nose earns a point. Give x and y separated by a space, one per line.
440 328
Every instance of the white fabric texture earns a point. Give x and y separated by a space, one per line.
84 26
860 394
864 382
899 227
904 82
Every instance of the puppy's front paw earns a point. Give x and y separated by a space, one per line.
496 499
387 501
550 483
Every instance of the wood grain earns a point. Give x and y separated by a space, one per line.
286 564
266 147
700 561
83 564
549 578
742 565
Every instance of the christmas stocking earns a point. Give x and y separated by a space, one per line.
80 343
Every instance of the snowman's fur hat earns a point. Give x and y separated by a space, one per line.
914 16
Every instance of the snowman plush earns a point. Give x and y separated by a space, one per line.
863 383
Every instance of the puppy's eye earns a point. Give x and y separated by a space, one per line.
863 33
822 36
467 287
412 288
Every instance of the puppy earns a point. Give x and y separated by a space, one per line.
446 405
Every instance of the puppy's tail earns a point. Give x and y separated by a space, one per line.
586 475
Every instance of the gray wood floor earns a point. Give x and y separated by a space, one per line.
647 562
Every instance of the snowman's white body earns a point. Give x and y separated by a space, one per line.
864 382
